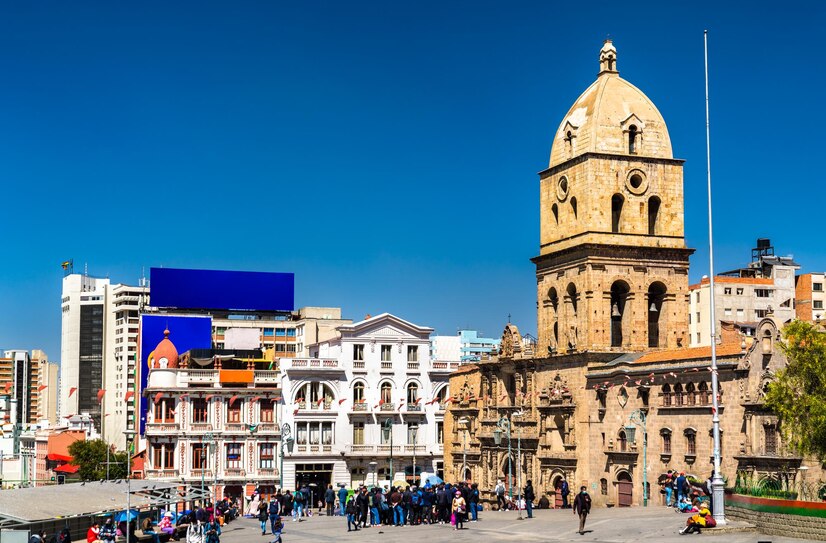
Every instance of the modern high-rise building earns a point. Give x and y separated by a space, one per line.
99 352
47 388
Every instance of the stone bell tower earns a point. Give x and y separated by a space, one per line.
612 270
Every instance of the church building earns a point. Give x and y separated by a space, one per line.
614 397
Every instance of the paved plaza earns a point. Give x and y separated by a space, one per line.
655 524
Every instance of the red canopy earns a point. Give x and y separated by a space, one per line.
67 468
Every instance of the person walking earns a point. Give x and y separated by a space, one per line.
582 506
330 499
362 504
342 499
529 498
565 491
458 509
500 495
263 515
273 513
474 502
350 510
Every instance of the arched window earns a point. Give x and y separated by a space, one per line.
678 395
572 297
666 395
553 297
653 212
317 395
556 333
616 212
705 397
656 296
632 139
441 396
622 441
666 435
412 394
358 393
573 205
555 211
619 295
386 392
690 394
691 441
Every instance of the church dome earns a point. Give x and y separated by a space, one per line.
165 354
612 116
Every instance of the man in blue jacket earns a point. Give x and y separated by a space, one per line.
342 500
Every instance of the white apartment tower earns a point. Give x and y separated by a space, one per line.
99 352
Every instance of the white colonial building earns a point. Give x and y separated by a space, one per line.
376 374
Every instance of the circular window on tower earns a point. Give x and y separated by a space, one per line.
562 188
636 182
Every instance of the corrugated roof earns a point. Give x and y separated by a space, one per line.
691 353
49 502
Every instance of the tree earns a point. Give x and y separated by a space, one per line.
90 456
798 394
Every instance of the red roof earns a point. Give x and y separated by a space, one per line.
67 468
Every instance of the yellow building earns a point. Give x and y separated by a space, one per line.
612 303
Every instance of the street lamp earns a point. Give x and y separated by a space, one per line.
638 418
288 442
206 441
505 424
130 435
414 431
374 469
463 422
387 428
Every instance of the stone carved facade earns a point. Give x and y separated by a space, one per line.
612 316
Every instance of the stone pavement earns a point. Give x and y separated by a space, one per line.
615 525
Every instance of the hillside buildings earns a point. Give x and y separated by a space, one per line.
616 396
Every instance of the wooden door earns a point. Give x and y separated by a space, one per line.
625 493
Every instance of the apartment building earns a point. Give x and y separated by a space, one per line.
763 289
810 296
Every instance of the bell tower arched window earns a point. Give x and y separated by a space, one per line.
633 135
653 213
573 206
656 297
619 297
555 211
616 212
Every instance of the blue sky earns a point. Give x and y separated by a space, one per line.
385 152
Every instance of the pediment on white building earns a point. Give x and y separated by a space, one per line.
385 326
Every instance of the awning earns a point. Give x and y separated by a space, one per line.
59 457
67 468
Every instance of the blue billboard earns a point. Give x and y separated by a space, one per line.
216 289
185 332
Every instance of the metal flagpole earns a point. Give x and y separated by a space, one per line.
717 484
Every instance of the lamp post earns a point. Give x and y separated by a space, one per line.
463 422
387 428
206 441
503 425
638 418
288 442
519 467
130 435
414 431
374 469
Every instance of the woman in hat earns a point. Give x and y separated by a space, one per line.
459 508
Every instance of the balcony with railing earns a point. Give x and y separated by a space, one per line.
325 404
162 427
168 473
313 365
266 377
384 450
441 366
414 408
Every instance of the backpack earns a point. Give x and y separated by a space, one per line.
299 497
500 490
414 499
